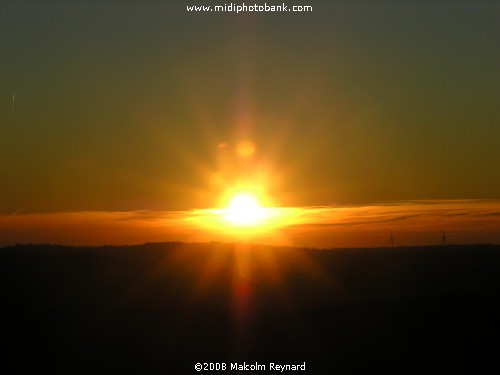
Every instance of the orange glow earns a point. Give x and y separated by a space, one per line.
411 223
245 149
244 210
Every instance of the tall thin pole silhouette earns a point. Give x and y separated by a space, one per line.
391 240
443 238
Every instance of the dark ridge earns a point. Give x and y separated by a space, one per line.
163 307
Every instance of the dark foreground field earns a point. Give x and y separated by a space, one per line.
162 308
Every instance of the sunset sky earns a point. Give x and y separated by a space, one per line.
121 121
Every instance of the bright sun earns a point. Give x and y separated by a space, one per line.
244 210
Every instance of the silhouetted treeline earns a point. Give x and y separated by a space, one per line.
163 307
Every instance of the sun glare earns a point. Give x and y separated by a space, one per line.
244 210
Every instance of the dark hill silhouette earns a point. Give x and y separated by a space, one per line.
163 307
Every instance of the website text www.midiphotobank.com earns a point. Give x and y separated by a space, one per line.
250 7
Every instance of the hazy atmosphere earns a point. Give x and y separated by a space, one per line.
118 107
277 186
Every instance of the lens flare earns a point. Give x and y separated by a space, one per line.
245 149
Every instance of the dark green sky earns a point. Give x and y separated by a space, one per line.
122 105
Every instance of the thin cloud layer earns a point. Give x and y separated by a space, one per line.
410 223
